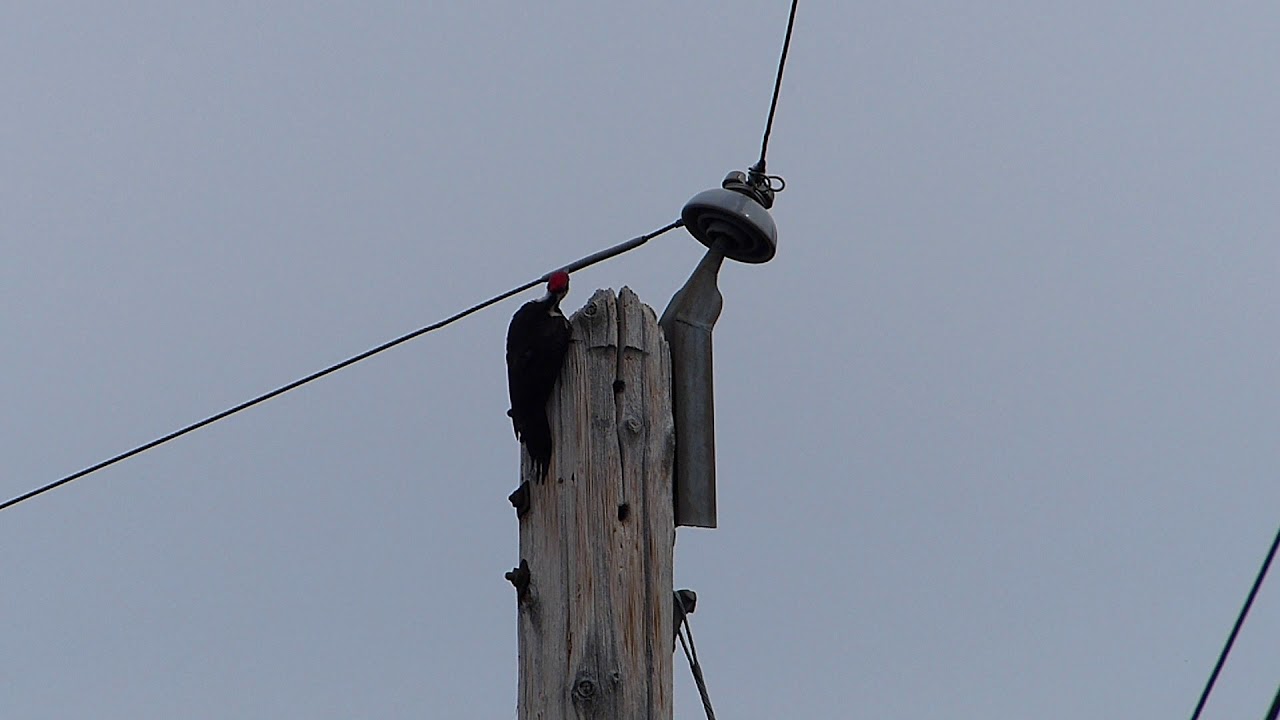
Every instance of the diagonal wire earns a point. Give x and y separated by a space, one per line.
571 267
1235 630
777 87
691 654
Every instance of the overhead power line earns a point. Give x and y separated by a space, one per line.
571 267
1235 630
777 88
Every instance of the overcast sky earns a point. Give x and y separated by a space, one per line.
997 427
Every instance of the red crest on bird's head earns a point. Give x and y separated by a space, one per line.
558 282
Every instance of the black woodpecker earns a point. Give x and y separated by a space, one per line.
536 343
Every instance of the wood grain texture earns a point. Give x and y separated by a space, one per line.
595 628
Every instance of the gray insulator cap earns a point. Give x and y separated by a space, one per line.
733 223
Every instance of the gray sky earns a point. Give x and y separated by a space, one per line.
997 427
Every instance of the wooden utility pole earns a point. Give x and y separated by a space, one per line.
594 588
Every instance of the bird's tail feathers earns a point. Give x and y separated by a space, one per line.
535 433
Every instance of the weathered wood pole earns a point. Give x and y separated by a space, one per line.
595 620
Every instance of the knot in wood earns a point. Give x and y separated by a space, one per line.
585 688
634 425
